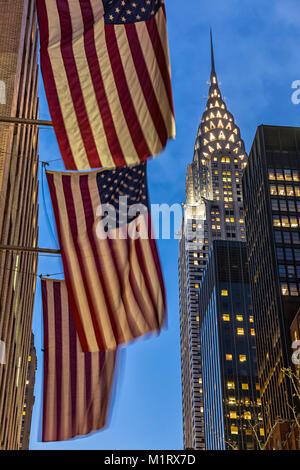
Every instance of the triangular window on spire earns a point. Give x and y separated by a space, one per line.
217 105
236 150
223 106
212 126
229 126
210 148
212 116
232 138
212 137
220 124
227 147
225 116
219 115
235 131
205 142
222 136
219 147
206 129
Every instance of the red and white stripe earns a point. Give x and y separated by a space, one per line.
77 385
108 86
115 286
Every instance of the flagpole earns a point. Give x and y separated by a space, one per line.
28 122
28 249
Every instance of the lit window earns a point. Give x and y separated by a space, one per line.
226 317
233 415
243 358
230 385
240 331
29 358
252 332
224 293
197 319
228 357
239 317
245 387
284 289
258 401
196 286
273 190
257 386
248 432
247 415
261 432
289 190
271 174
231 400
234 430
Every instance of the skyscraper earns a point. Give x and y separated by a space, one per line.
18 207
271 188
213 210
231 396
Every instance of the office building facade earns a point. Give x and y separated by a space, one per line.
213 210
271 188
232 409
18 207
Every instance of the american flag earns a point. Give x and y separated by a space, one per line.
113 275
106 72
77 385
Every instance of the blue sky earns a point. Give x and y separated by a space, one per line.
257 58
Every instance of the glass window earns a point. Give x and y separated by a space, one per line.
234 430
296 175
273 190
281 269
289 254
279 253
294 222
295 238
274 205
292 206
276 221
289 191
251 319
245 387
293 290
252 331
286 238
247 415
291 271
271 174
282 203
297 254
298 271
278 237
279 175
230 385
288 175
285 222
281 190
240 331
243 358
284 289
226 317
224 293
228 357
239 318
233 415
297 191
